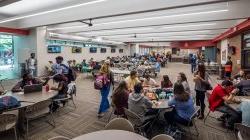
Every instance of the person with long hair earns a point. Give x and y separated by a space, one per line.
183 106
108 81
181 77
166 83
201 80
120 98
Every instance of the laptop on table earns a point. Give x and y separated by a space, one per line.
32 88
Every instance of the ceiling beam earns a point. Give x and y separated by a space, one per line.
213 29
146 11
7 2
14 31
157 25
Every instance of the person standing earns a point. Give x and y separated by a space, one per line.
193 63
31 64
107 81
228 68
201 82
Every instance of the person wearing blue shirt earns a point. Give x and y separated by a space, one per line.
245 109
183 106
193 63
158 66
60 67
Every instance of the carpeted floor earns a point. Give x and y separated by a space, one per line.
72 122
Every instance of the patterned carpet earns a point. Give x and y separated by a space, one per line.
72 122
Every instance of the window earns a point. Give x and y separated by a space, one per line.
112 50
6 51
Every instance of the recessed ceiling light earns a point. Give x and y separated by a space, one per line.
51 11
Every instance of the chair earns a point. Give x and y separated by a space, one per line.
162 137
120 124
71 91
192 122
139 123
59 138
243 131
7 122
208 95
38 110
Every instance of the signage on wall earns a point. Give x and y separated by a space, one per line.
54 49
224 51
76 49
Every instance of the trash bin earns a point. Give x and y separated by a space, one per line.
22 67
221 72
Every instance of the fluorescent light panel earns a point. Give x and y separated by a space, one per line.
150 18
167 33
51 11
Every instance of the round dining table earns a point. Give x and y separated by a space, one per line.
111 135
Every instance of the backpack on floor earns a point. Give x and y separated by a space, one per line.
8 102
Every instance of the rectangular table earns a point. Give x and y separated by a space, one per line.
241 98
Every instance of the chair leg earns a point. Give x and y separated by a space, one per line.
74 103
27 129
111 114
196 129
206 116
15 133
53 120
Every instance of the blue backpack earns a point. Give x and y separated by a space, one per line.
8 102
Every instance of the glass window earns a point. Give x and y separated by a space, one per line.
6 51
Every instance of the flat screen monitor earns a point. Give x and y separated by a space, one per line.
113 50
54 49
103 50
93 50
76 49
120 50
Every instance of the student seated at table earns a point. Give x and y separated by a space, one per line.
240 76
120 98
28 80
140 104
166 83
132 80
245 110
183 106
148 81
62 89
221 96
244 86
181 77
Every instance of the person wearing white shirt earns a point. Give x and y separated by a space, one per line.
149 81
31 64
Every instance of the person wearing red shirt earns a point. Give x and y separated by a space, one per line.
221 96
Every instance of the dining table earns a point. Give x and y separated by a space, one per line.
241 99
110 135
27 99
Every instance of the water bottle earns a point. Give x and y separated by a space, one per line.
47 88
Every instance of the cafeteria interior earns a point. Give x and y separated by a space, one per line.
128 70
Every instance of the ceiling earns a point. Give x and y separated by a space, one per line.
129 20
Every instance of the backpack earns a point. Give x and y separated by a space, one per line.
71 74
8 102
100 81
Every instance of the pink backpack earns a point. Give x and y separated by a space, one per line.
100 81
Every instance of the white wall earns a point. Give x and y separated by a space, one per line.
43 57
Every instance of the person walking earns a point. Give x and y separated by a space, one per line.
107 81
31 64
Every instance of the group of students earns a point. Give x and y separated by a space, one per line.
130 94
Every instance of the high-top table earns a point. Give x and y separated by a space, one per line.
111 135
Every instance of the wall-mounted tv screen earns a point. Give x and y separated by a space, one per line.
112 50
54 49
93 50
103 50
120 50
76 49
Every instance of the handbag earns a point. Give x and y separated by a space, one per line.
208 86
